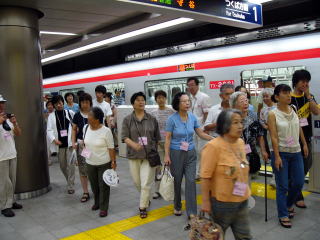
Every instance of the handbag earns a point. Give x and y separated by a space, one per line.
166 188
203 228
152 156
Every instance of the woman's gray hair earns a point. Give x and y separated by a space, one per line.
234 97
224 121
268 91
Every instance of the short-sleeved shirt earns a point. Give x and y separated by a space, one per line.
80 120
147 127
74 108
265 113
181 131
98 142
7 144
213 116
303 110
105 107
162 117
200 104
220 162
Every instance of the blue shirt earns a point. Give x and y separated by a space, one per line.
74 108
181 131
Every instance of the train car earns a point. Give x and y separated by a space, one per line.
243 64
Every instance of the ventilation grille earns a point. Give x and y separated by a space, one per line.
266 33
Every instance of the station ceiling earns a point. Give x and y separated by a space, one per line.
96 20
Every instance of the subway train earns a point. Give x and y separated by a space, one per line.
244 63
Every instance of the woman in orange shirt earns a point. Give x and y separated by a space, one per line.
224 176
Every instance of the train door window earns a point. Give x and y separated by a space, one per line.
111 87
73 90
170 86
251 79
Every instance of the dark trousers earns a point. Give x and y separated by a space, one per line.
101 191
307 163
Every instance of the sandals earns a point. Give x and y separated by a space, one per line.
156 195
301 206
85 197
286 223
143 213
177 212
291 213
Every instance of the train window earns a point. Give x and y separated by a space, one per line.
170 86
73 90
111 87
251 79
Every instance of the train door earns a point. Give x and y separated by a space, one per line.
170 86
251 79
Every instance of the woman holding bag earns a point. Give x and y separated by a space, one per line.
180 151
141 133
224 176
100 156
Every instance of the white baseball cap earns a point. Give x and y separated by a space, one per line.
2 99
110 177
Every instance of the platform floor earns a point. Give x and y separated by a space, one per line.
57 215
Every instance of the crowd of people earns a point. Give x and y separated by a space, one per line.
223 145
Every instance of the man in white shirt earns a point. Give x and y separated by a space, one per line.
225 92
8 160
201 104
101 103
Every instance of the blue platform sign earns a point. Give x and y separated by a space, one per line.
242 13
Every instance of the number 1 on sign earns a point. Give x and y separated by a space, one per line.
255 14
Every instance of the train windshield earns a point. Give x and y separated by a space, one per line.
170 86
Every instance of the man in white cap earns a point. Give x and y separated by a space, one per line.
8 160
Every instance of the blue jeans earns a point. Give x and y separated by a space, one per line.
288 189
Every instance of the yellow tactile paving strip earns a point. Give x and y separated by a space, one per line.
113 231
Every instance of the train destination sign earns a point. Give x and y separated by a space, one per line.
238 13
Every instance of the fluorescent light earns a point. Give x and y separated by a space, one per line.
58 33
259 1
120 37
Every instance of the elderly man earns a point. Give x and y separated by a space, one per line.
8 160
225 92
200 105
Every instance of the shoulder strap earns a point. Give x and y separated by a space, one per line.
85 131
71 119
294 108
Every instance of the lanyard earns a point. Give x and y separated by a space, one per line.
64 120
304 102
242 163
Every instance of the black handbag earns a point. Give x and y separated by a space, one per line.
152 156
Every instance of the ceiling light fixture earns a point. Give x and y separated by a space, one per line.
135 33
58 33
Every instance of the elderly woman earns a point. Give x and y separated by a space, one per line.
252 131
224 176
59 128
180 151
286 157
70 104
100 156
79 120
141 133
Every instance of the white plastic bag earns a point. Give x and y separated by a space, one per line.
167 185
73 157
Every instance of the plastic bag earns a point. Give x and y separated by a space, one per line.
166 188
73 157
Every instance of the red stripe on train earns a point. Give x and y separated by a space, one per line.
266 58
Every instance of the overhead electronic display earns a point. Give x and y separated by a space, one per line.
241 10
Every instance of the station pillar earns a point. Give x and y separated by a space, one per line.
21 86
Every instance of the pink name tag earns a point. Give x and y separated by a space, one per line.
63 133
247 148
7 135
290 141
184 146
86 153
239 189
303 122
143 141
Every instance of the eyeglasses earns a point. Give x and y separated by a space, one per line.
185 101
